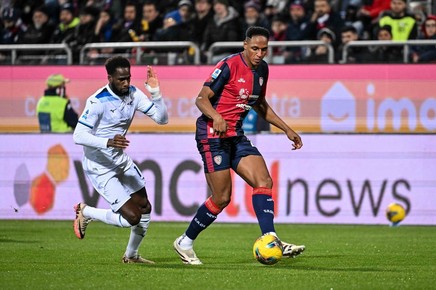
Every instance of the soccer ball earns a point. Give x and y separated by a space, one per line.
395 213
268 249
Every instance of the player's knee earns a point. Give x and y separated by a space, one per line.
147 208
133 218
267 183
223 201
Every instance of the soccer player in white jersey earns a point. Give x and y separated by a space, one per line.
101 130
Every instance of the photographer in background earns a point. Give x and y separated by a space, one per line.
55 113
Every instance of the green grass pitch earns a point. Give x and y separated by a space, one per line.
47 255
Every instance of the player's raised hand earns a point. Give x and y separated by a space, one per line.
152 80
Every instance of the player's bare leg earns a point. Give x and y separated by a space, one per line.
137 211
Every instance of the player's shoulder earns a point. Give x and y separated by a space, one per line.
101 95
230 64
233 59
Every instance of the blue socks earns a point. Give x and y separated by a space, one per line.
206 215
263 205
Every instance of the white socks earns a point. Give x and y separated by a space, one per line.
107 216
137 233
185 242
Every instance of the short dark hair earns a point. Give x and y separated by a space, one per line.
257 30
387 28
115 62
349 28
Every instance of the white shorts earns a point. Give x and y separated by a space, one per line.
117 185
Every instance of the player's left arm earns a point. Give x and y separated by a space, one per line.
156 108
265 111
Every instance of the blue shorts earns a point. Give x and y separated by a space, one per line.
224 153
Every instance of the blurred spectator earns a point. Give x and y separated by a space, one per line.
152 20
320 53
203 14
26 7
369 15
224 26
385 53
355 54
403 24
186 10
323 17
85 31
296 26
172 29
39 32
41 29
274 7
103 32
13 26
64 33
253 16
418 10
104 27
426 53
129 27
278 33
351 19
54 110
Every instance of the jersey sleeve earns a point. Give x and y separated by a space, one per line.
83 133
154 108
265 81
219 77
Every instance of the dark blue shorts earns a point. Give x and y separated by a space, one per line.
224 153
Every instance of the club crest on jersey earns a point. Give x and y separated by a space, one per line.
261 81
218 159
216 73
243 94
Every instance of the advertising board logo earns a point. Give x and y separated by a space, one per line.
338 110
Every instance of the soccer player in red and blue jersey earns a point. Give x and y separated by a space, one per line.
236 85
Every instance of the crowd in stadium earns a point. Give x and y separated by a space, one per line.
205 22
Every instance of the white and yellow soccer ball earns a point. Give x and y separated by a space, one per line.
395 213
268 249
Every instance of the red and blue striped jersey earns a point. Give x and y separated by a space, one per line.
237 88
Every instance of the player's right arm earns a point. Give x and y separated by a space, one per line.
204 105
84 131
215 82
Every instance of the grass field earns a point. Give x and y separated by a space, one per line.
47 255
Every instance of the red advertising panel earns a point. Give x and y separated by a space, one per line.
315 98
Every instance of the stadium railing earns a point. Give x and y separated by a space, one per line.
169 50
271 44
12 49
140 49
368 43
